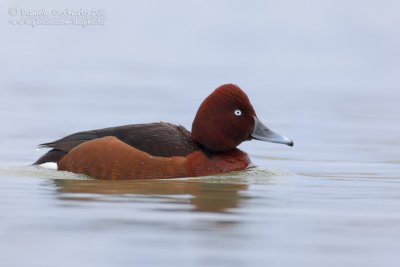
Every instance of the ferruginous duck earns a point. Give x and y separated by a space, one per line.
225 119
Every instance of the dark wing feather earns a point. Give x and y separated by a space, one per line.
53 155
69 142
157 139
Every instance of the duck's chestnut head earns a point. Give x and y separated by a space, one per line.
226 118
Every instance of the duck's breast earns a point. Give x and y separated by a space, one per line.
202 164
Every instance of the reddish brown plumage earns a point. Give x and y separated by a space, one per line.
216 127
160 150
201 164
112 159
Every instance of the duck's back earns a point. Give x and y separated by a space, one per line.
157 139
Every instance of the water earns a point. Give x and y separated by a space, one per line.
330 84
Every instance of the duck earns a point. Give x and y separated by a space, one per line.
224 120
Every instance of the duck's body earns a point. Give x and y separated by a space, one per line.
139 151
162 150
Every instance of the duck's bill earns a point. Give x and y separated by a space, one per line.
263 133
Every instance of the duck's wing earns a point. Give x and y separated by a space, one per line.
157 139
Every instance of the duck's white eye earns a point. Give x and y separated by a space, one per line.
238 112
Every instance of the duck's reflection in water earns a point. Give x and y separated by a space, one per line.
203 195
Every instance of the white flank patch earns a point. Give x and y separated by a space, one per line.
49 165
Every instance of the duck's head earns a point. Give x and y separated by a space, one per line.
226 118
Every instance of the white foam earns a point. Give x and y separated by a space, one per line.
49 165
